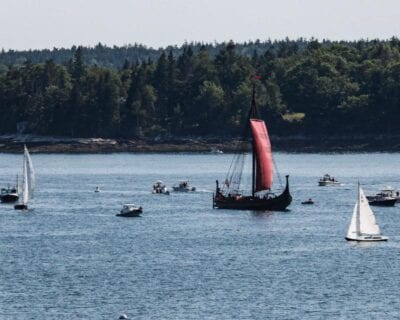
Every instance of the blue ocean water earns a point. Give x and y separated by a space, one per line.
72 258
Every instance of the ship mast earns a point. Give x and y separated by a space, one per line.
358 214
253 115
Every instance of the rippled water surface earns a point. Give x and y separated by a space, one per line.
72 258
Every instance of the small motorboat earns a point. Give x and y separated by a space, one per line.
160 188
309 201
327 180
9 194
382 199
130 210
183 186
97 189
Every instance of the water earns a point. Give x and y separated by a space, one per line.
71 258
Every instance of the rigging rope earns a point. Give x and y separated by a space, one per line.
277 172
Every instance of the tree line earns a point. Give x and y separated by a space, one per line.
307 88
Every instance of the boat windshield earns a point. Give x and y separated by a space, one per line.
129 206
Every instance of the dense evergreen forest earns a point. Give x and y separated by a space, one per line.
306 88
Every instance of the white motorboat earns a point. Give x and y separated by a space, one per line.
363 225
183 186
327 180
97 189
160 188
130 210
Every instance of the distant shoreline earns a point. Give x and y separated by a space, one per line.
44 144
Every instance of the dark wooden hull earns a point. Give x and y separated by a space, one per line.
276 203
9 198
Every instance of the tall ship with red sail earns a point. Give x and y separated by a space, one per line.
229 195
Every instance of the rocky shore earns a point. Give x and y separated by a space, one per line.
44 144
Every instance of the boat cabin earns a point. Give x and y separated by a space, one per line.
327 177
129 207
8 190
390 192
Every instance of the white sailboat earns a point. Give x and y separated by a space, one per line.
363 225
28 183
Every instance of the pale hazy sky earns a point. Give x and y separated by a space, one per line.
37 24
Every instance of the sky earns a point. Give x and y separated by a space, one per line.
39 24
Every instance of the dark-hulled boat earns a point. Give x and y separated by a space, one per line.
9 194
382 200
229 196
309 201
130 210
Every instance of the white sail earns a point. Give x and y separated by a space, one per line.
25 184
368 223
30 172
352 231
28 178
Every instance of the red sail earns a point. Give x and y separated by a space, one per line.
262 148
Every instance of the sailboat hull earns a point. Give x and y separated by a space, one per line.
367 238
21 207
277 203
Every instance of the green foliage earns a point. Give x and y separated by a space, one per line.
306 87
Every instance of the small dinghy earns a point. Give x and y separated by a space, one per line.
97 189
309 201
130 210
363 225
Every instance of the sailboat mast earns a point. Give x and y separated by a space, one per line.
358 212
253 172
24 178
